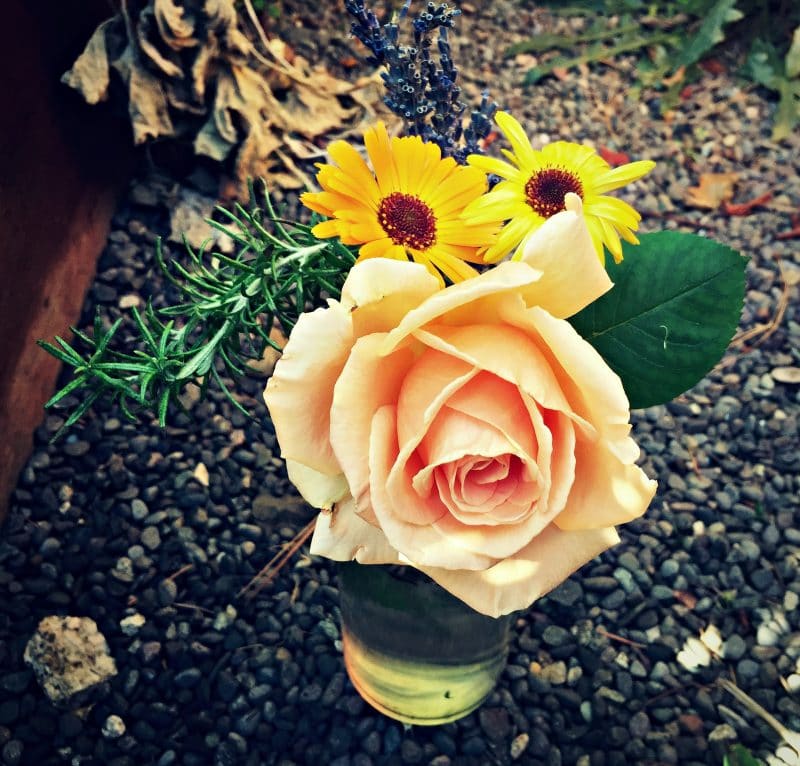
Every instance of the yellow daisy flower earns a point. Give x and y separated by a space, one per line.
534 186
408 205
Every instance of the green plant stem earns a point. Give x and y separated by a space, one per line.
228 309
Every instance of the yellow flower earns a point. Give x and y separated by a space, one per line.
535 185
408 205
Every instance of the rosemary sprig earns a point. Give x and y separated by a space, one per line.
227 309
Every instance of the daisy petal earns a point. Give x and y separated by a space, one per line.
622 175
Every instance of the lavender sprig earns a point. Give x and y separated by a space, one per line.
420 80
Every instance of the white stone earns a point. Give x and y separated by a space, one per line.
131 625
113 727
70 659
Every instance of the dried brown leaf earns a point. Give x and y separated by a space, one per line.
713 190
175 27
312 107
189 70
689 600
167 62
90 72
675 78
147 103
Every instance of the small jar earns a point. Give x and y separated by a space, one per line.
413 651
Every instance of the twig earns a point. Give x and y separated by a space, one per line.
745 208
789 234
670 692
270 571
762 331
251 12
788 736
182 570
621 639
282 65
182 605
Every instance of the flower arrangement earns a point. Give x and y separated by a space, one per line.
463 406
462 357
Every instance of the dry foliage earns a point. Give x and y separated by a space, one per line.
188 70
713 190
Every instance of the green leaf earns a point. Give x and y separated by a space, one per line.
545 41
68 355
66 391
674 307
740 756
201 361
710 32
793 56
103 339
596 52
787 115
163 406
763 65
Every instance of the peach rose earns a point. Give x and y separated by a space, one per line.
469 431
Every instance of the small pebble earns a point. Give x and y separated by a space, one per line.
113 727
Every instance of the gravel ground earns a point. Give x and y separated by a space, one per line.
116 522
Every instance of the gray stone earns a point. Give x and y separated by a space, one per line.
639 725
151 538
12 752
734 647
567 594
188 678
669 568
139 509
167 592
555 635
747 670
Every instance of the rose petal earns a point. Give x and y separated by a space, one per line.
606 491
500 284
572 275
318 489
470 479
518 581
367 382
306 372
381 291
343 536
418 542
506 500
593 389
453 434
562 460
507 352
429 383
497 542
498 404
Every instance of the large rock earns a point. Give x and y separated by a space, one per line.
71 660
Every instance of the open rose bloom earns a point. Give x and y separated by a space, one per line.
468 431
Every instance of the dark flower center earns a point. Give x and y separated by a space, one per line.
408 221
545 190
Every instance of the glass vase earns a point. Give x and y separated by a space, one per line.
412 650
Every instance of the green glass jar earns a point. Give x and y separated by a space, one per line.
412 650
